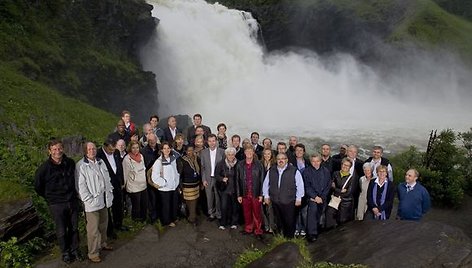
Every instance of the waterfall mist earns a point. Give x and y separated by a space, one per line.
207 60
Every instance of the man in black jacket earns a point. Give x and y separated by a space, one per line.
113 161
258 149
171 130
150 154
55 182
197 122
120 133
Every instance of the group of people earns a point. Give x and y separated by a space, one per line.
159 173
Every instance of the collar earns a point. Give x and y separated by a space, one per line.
283 168
411 185
377 181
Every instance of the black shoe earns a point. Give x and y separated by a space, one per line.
67 258
123 228
211 218
112 236
245 233
259 237
77 256
311 238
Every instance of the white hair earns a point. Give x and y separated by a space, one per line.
230 150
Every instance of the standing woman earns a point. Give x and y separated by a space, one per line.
268 160
225 173
380 196
96 192
344 186
179 146
364 185
221 136
188 167
165 175
134 172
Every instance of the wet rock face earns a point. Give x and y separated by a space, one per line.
19 219
395 244
283 256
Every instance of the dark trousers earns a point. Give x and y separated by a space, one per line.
313 217
229 209
66 219
285 218
252 209
115 214
269 221
139 204
153 196
343 214
169 208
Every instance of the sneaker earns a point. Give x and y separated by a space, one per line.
95 259
302 233
297 233
77 256
234 227
171 224
66 258
221 227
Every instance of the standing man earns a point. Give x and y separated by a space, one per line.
377 159
281 147
283 186
209 158
358 164
337 158
55 182
171 130
151 154
96 192
292 142
113 162
120 133
197 121
154 121
326 159
249 179
317 180
414 198
130 127
236 142
258 149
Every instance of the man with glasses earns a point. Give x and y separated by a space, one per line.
283 186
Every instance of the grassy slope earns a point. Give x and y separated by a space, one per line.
430 25
31 113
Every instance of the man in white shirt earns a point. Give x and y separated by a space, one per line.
209 158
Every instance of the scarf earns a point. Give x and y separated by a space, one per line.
344 174
230 165
382 198
136 157
192 162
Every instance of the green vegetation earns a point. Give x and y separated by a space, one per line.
431 25
255 253
17 255
445 169
85 49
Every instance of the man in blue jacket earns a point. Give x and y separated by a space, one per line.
317 180
414 198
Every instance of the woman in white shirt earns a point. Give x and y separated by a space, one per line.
364 184
166 177
134 173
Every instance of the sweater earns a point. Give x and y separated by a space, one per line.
134 175
413 204
56 182
165 174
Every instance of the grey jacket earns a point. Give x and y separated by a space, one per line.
93 184
206 162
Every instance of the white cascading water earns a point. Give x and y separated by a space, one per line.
207 60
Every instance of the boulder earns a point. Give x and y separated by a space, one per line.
285 255
19 219
395 244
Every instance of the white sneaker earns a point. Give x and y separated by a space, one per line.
234 227
221 227
302 233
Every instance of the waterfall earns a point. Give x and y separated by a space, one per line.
207 60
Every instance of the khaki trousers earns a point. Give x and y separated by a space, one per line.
97 223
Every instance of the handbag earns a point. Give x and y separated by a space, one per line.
336 200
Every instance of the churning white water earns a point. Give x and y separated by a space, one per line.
207 60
